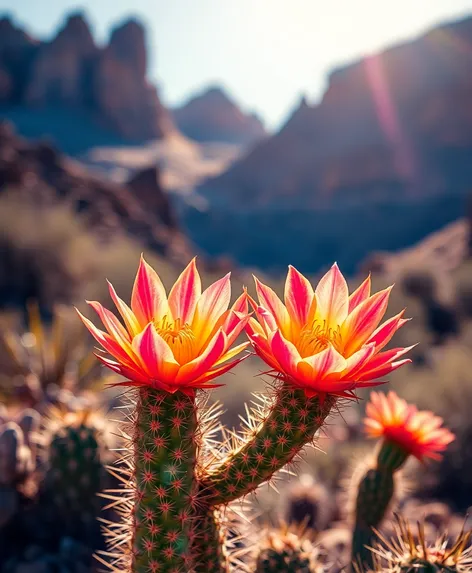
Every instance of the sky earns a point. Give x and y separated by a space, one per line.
266 53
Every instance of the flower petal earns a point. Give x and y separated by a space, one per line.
271 302
361 294
364 319
111 323
185 293
108 343
156 355
326 362
285 353
232 353
199 366
148 299
129 319
384 333
332 294
298 296
211 305
358 360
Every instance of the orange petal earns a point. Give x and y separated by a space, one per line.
234 325
148 299
384 333
298 296
262 348
358 360
111 323
332 294
285 353
326 362
232 353
200 365
211 305
267 320
185 293
107 342
253 327
214 372
361 294
155 354
271 302
364 319
129 319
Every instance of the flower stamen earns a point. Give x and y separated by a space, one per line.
179 337
317 336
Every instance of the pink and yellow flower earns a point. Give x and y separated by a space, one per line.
176 342
325 341
419 433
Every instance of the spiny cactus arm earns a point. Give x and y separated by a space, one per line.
165 445
290 423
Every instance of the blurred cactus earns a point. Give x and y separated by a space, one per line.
51 363
409 552
287 550
76 470
309 503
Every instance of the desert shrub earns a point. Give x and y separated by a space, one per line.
42 252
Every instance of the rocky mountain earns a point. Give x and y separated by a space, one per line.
46 177
70 72
382 161
213 116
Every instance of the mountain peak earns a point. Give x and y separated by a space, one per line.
212 115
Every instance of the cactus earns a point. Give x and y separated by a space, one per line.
309 502
287 551
405 432
410 553
320 346
76 472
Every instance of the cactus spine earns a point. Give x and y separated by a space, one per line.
374 495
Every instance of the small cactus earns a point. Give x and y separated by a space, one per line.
309 502
408 552
76 472
406 432
287 551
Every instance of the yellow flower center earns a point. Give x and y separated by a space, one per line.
179 337
315 337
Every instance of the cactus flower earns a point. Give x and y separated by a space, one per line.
418 433
176 342
323 340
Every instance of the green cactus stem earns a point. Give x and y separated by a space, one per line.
208 544
165 450
288 425
374 496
